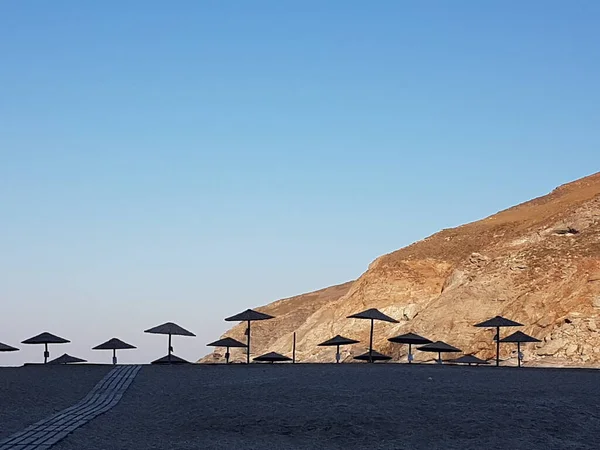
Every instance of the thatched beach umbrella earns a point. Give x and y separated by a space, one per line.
170 359
372 315
171 329
7 348
114 344
338 341
497 323
248 316
520 338
410 339
373 355
67 359
46 338
468 359
272 357
227 343
439 347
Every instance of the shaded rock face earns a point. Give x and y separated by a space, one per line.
537 263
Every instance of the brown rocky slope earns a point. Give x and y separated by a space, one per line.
537 263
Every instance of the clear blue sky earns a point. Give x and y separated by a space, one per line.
183 161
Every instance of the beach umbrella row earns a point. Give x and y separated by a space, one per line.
113 344
372 355
171 329
427 345
337 341
46 338
409 338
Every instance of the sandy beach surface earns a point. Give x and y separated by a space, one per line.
31 393
350 406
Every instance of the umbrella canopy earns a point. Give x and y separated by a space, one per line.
373 314
438 347
373 356
249 315
469 359
410 338
170 328
338 340
519 337
272 357
497 323
46 338
226 342
67 359
7 348
114 344
170 359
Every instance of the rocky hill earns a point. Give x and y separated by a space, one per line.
537 263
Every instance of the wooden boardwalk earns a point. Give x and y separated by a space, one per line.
47 432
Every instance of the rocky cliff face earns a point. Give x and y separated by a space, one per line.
537 263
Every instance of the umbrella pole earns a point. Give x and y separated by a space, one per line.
371 344
46 352
440 357
248 347
114 356
227 355
497 346
294 350
409 353
337 355
519 354
170 348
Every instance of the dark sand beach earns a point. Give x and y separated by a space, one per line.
31 393
358 406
